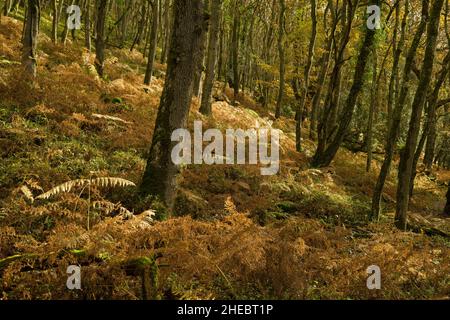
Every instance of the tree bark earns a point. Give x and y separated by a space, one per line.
281 57
153 42
29 58
205 107
373 103
100 36
141 26
235 51
184 54
87 26
55 21
302 105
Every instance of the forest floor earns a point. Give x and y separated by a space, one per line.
302 234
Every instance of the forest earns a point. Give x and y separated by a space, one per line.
224 149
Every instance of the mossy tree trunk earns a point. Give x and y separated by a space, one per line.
189 24
29 58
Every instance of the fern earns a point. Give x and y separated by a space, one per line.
102 116
27 192
101 182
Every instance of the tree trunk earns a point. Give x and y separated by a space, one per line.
407 154
141 26
87 25
302 105
29 58
55 21
325 63
100 36
282 58
205 107
432 110
166 31
153 42
66 27
184 55
373 103
235 51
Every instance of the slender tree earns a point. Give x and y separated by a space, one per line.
407 154
153 42
394 123
31 30
102 6
323 159
205 107
281 22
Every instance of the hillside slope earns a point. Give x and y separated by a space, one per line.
302 234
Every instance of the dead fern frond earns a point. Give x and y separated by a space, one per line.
117 119
108 207
101 182
27 192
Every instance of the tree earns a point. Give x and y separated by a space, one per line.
102 6
205 107
395 119
235 50
323 159
55 21
302 105
281 23
188 27
153 42
87 25
407 154
31 30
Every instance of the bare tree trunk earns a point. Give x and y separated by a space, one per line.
100 36
235 51
153 42
29 58
431 114
66 27
302 105
205 107
407 154
325 63
184 55
55 21
141 26
166 31
373 102
281 23
87 26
